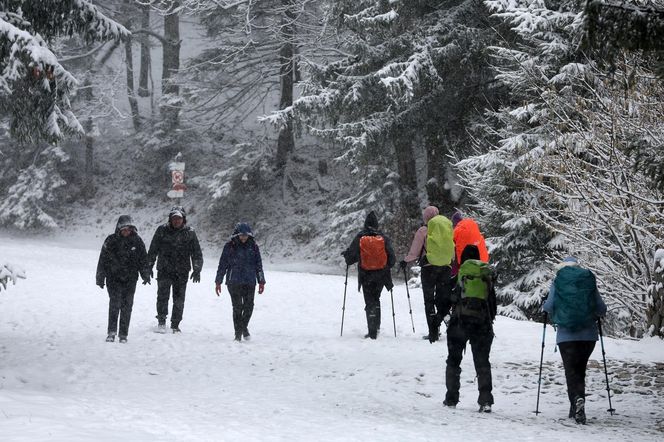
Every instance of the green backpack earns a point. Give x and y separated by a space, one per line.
576 304
475 280
440 241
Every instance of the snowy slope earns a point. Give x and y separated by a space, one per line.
296 380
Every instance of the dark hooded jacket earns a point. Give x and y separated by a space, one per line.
240 263
122 259
352 255
175 250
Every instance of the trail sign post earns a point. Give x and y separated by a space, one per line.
178 187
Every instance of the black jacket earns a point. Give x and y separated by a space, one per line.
122 259
175 250
352 255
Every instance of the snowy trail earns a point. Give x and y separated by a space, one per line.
296 380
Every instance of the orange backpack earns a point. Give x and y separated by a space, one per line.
372 253
467 233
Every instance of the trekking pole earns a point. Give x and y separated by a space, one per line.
539 380
394 321
410 308
343 308
606 374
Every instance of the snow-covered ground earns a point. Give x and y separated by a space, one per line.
295 380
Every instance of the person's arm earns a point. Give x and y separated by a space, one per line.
260 277
142 260
352 253
549 302
196 253
601 305
417 245
224 262
101 264
155 246
391 257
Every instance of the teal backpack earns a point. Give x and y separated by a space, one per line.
576 304
475 278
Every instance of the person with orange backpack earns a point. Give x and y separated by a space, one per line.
433 248
373 252
467 233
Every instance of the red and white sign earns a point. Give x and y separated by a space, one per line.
177 180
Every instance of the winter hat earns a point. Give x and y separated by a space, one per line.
456 217
571 259
125 221
242 229
177 211
567 262
429 212
372 221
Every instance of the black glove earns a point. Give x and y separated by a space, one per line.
343 253
196 276
146 280
100 284
402 264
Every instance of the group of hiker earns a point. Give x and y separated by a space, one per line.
177 252
457 285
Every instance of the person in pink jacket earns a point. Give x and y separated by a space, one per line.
436 280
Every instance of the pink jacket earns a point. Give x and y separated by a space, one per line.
417 246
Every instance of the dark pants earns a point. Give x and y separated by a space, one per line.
437 288
242 298
481 338
575 356
371 291
120 303
179 285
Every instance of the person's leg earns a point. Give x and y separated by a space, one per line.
456 343
480 344
585 349
164 284
235 293
371 293
429 292
179 292
570 356
128 290
249 292
114 302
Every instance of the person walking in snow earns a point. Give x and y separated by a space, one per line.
373 252
433 251
466 232
122 259
241 265
471 321
573 306
176 249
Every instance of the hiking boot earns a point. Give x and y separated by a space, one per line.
110 338
245 334
486 408
449 404
433 335
238 337
176 330
123 339
161 328
580 410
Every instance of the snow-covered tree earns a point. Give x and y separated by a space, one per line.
10 273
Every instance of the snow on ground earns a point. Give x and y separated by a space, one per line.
297 379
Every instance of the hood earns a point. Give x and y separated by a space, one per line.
429 212
456 218
177 210
125 221
371 222
242 229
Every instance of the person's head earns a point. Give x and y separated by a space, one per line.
125 226
456 218
242 232
371 222
177 217
570 261
470 252
429 212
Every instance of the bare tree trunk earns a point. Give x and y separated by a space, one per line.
655 312
133 104
437 149
143 90
171 66
88 126
286 141
403 147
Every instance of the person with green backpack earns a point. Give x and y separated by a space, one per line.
433 248
573 306
475 307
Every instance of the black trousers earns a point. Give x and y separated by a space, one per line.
437 289
179 285
242 298
372 291
575 356
120 303
481 338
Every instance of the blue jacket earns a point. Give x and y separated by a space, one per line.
565 334
240 263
